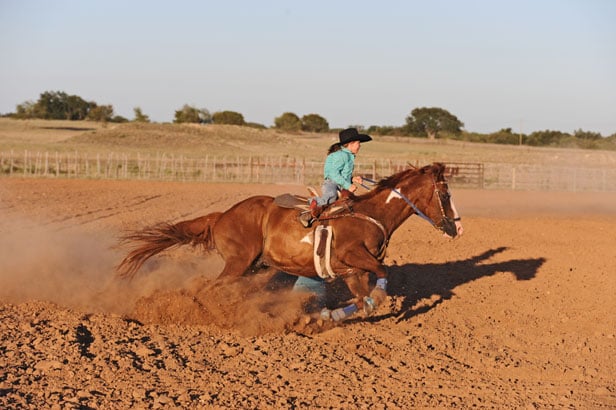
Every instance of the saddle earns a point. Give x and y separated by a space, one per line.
301 203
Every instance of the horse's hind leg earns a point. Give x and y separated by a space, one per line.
239 257
237 264
239 240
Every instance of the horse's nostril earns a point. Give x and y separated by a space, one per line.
448 226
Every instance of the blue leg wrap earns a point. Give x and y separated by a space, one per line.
342 313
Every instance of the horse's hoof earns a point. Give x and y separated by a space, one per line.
369 305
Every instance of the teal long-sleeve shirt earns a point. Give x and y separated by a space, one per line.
339 167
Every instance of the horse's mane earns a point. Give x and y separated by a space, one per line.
394 180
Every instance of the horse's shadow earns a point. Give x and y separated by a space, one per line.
414 282
435 282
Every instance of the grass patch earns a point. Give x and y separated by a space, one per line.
199 141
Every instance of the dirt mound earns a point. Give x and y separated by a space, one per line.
244 306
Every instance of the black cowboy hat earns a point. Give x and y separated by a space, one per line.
351 134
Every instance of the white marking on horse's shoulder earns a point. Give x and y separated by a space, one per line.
393 195
307 239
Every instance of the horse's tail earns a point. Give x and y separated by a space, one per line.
153 240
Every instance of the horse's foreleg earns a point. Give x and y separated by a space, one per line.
358 285
364 260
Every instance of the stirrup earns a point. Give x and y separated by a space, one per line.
306 219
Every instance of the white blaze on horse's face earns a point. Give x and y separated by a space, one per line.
307 239
393 194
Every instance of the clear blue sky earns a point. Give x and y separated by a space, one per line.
526 64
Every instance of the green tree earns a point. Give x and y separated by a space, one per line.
190 114
52 105
77 108
118 118
100 113
228 117
25 110
547 137
504 136
288 122
140 116
587 135
314 123
430 121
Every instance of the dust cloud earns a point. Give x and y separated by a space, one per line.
76 268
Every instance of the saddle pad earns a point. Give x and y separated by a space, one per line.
291 201
323 252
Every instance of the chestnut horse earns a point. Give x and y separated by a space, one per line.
256 232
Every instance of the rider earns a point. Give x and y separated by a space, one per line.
338 171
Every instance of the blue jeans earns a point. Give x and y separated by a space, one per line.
329 193
315 286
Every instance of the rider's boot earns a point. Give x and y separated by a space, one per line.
315 209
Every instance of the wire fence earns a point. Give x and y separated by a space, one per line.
289 170
549 178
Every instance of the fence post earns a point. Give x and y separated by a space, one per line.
303 176
258 169
513 178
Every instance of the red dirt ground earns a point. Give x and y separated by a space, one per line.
517 313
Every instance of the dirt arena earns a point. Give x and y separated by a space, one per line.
517 313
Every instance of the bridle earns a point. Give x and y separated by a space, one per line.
414 207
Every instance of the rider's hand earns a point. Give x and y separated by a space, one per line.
352 188
358 179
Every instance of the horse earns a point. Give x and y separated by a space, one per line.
256 232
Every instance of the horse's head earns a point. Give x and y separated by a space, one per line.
432 199
426 193
441 208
